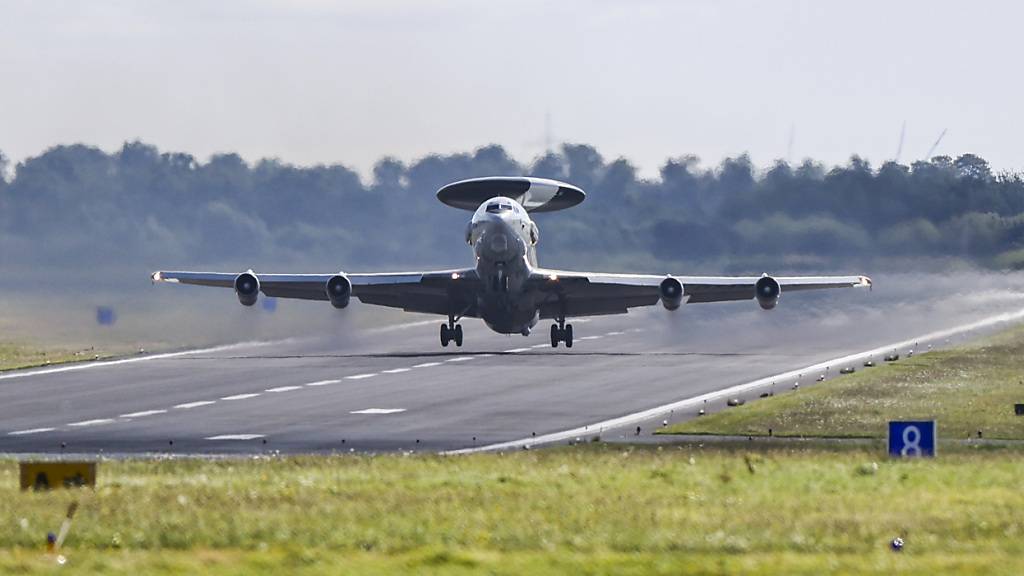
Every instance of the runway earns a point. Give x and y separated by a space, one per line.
395 388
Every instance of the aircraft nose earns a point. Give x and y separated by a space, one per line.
498 242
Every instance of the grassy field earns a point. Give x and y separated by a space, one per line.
966 389
594 509
14 356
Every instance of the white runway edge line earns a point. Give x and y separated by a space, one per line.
235 437
361 376
378 411
224 348
427 365
110 363
649 414
396 371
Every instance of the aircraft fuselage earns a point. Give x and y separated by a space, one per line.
504 242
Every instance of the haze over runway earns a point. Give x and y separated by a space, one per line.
393 388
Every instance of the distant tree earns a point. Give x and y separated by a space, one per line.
388 174
973 167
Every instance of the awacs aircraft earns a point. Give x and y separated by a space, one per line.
507 288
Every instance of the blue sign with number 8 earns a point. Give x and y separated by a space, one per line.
910 439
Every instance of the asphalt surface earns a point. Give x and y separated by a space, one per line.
395 388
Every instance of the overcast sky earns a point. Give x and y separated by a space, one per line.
311 81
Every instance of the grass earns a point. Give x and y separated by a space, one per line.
965 389
594 509
15 356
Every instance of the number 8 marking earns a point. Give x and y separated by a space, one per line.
911 441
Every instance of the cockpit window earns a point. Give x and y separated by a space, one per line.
496 208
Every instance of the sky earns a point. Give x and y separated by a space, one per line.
313 81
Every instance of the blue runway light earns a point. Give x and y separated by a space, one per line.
105 316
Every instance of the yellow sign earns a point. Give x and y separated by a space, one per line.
47 475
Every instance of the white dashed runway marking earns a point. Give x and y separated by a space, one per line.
235 437
360 376
96 422
240 396
143 413
32 431
323 382
188 405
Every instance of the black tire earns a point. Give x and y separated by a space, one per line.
458 335
555 336
567 337
445 336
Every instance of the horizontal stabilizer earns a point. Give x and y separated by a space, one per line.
535 194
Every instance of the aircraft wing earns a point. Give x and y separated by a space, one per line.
435 292
590 294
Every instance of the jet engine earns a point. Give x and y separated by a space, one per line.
768 291
339 290
247 288
671 292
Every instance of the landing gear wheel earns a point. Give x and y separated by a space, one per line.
446 335
555 335
567 335
458 335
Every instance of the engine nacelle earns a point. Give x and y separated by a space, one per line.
671 292
247 288
767 290
339 290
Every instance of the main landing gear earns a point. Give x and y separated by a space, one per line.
451 332
561 332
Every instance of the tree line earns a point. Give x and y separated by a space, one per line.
138 207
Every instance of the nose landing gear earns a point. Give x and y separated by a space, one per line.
450 334
561 332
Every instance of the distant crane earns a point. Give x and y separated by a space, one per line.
931 150
549 140
899 149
